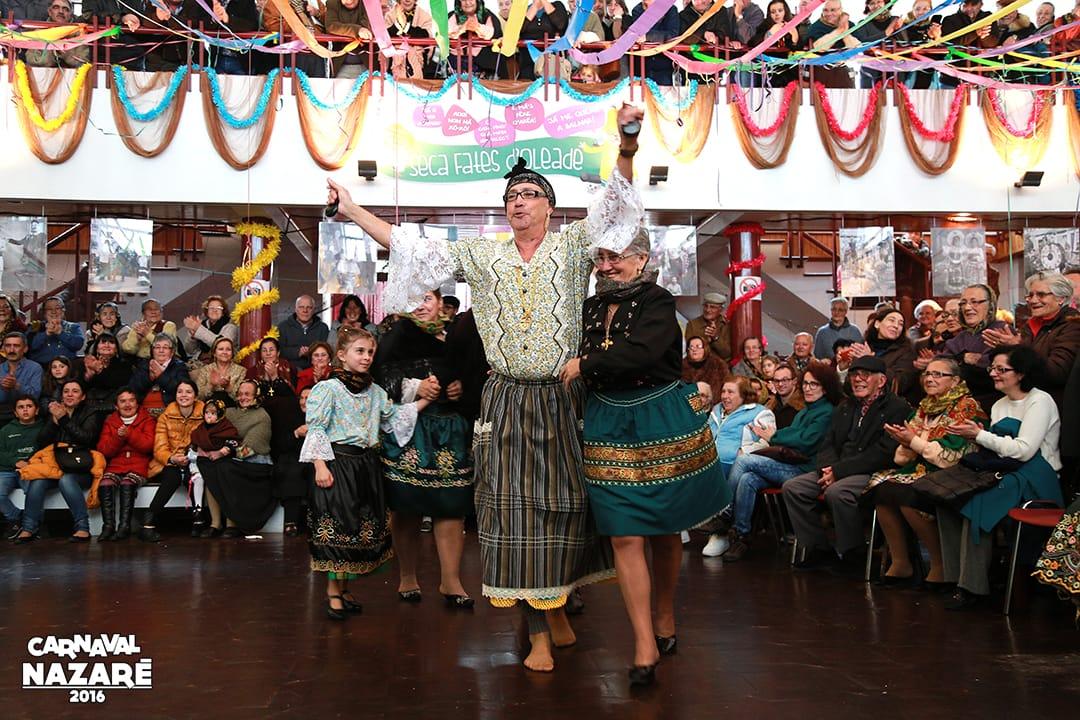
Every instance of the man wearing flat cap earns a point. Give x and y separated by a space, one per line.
712 326
855 446
537 538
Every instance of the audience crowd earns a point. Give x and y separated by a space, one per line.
939 423
473 25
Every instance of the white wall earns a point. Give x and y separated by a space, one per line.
190 171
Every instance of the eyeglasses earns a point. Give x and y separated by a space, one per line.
782 381
999 369
937 374
810 384
602 258
1038 294
948 314
524 195
860 375
965 303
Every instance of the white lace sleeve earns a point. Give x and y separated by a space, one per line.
615 215
417 265
316 446
401 422
409 388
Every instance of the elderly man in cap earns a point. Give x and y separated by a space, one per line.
855 446
537 538
713 326
838 328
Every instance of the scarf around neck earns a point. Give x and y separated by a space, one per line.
354 382
932 406
431 327
616 291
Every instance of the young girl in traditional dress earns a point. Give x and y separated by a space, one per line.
348 519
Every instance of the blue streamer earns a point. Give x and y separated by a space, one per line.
229 118
582 97
573 29
663 101
155 112
305 87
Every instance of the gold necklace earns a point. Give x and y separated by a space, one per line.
611 310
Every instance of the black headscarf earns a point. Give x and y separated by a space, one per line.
520 174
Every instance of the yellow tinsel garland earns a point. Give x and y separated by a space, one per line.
247 272
22 81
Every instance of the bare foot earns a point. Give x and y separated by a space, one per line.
562 635
540 659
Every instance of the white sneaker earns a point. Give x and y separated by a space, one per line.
717 546
685 537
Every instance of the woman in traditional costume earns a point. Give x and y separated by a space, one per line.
650 460
432 474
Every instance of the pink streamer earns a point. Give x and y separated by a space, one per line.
642 25
378 29
701 67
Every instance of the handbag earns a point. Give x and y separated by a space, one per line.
783 454
71 459
986 460
954 486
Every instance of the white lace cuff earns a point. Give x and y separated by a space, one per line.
615 215
409 388
417 265
401 423
316 446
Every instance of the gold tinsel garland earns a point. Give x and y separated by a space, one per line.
247 272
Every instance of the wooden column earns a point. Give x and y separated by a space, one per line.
745 239
254 325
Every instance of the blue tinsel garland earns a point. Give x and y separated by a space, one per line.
305 86
663 101
155 112
229 118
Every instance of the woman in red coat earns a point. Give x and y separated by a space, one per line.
127 442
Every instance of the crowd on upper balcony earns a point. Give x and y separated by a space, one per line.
474 24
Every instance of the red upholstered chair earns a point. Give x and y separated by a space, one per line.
1037 513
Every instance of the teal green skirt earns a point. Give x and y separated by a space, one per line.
650 460
433 474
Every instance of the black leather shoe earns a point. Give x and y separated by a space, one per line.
210 532
642 675
78 538
24 539
149 534
667 645
410 596
459 602
962 600
13 532
351 606
895 581
232 533
332 612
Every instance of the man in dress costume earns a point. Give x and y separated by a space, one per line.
537 538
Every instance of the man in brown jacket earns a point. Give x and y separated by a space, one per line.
713 326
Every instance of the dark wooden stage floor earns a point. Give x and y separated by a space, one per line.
236 630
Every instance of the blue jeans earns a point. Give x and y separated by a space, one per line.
9 480
749 475
72 487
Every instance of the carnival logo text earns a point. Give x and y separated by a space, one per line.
88 680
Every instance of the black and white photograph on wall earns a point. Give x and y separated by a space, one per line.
674 257
1051 249
120 250
958 257
867 265
24 258
348 259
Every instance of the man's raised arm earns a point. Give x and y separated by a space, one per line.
374 226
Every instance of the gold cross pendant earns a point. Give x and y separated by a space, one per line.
606 344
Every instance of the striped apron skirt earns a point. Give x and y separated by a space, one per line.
538 539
